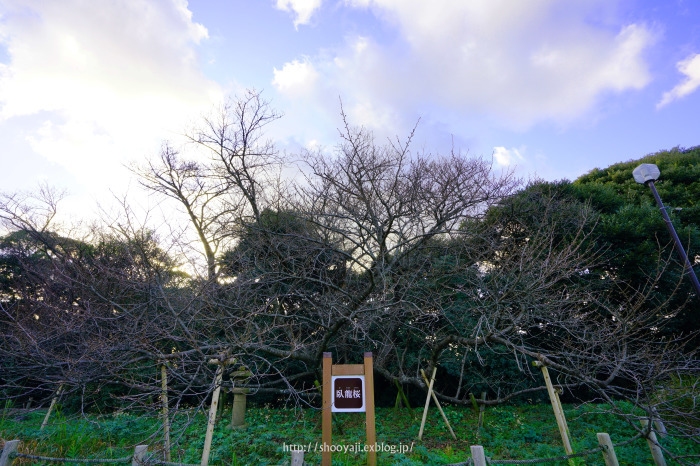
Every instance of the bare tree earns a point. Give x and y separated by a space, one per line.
225 182
429 261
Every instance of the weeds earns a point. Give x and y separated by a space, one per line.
510 432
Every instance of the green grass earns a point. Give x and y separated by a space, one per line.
510 432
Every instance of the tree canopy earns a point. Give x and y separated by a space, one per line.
427 260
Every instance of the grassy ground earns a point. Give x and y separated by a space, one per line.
510 432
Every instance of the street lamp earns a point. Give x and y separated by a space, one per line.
647 173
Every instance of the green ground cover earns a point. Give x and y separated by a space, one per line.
510 432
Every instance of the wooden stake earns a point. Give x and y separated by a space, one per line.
427 403
561 412
653 443
558 412
212 414
608 449
437 403
166 416
482 408
53 403
474 405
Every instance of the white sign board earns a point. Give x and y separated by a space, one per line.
348 393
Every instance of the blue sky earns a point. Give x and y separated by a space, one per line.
550 88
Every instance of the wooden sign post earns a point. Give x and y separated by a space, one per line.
348 388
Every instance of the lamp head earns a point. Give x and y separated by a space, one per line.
646 172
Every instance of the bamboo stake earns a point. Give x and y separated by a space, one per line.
53 403
561 411
427 403
608 450
656 453
437 403
166 416
558 413
212 414
659 425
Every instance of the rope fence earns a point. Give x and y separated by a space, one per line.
141 456
125 459
592 451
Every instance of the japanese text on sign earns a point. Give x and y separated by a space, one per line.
348 394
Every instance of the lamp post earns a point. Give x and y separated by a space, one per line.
647 173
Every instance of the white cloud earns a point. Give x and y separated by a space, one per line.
690 67
295 79
303 9
516 62
505 157
99 83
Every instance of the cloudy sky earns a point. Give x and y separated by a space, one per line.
553 88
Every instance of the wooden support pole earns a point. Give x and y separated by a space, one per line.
401 396
478 456
297 458
139 457
558 412
10 447
212 415
482 408
326 414
473 400
653 443
427 403
51 406
166 415
437 403
369 409
561 411
659 425
608 450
